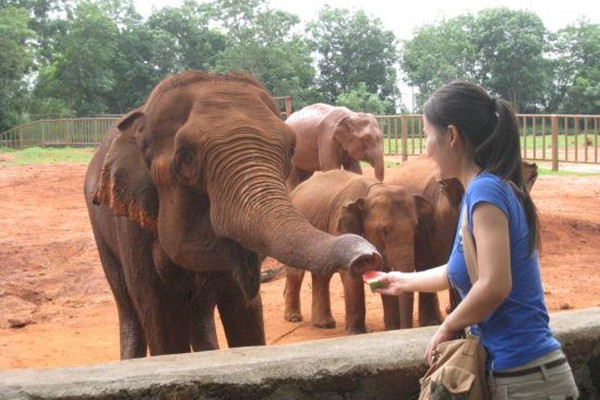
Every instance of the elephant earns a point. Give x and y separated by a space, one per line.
329 137
341 202
433 241
186 195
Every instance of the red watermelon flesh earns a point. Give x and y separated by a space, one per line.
370 278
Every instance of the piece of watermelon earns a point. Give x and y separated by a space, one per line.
370 278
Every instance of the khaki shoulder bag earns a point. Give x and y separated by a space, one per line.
458 370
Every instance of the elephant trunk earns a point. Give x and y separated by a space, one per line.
403 259
378 166
255 210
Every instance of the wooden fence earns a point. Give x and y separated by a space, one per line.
553 138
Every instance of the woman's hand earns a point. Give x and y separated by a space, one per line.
394 283
443 334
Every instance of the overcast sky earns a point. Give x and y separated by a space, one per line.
403 17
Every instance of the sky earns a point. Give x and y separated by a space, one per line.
404 17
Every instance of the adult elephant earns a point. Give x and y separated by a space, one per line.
433 241
341 202
329 137
185 195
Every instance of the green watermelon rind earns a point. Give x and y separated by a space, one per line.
376 285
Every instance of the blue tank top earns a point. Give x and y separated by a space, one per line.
517 332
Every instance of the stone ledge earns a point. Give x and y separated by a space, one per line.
383 365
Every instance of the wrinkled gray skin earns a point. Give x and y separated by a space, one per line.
186 195
387 216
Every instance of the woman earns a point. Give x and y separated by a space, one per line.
475 138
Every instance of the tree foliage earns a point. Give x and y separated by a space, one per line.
16 59
438 54
353 49
511 45
89 57
578 47
261 42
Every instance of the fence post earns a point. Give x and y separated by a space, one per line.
288 106
403 137
554 142
20 133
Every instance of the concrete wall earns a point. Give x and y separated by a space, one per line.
379 366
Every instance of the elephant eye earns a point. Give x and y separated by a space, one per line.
185 162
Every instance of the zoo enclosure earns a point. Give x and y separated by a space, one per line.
553 138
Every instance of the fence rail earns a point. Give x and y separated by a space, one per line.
553 138
544 137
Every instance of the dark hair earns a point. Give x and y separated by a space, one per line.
491 130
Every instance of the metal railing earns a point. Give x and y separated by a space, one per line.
544 137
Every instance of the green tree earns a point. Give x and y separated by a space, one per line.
511 45
261 41
360 99
16 60
84 66
438 54
173 39
353 48
578 85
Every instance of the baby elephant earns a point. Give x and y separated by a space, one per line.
341 202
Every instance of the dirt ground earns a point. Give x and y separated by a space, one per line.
56 308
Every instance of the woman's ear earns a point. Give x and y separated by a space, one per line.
453 136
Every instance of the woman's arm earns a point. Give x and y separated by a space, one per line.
432 280
490 230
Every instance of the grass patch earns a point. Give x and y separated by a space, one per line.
547 171
38 155
388 163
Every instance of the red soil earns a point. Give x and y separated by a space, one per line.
51 280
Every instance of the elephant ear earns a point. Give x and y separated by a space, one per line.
340 121
350 217
453 190
530 174
424 212
125 185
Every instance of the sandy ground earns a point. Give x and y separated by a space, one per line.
56 308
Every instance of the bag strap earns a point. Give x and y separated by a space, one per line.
469 250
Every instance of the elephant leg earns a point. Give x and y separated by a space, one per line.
354 299
406 310
242 319
204 333
132 340
429 309
165 315
391 312
293 284
321 307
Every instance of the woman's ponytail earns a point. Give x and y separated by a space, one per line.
492 130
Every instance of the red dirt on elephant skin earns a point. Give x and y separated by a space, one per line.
56 308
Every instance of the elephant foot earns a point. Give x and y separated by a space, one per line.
430 320
356 330
293 316
325 323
